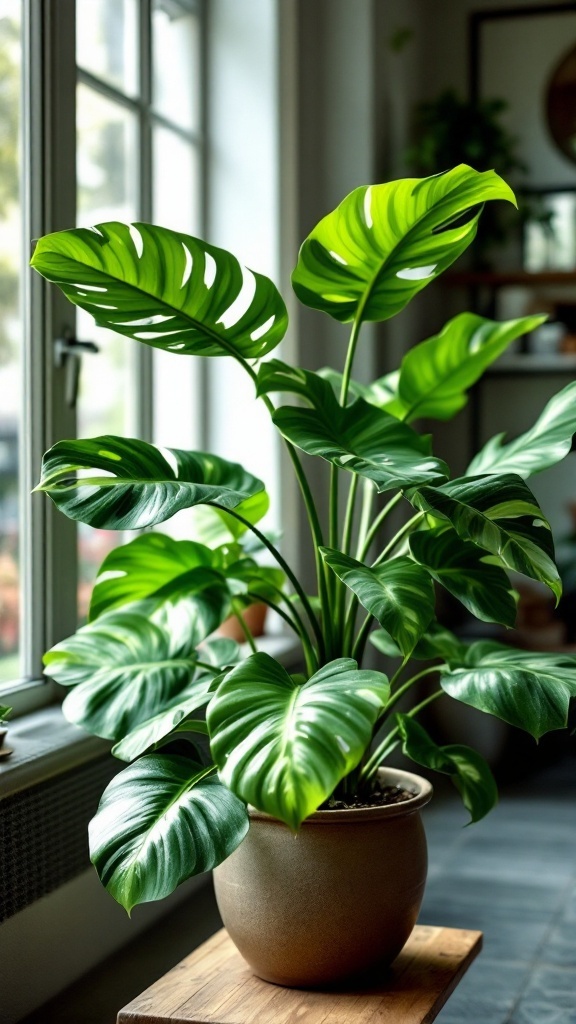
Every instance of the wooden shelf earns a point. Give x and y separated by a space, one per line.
215 986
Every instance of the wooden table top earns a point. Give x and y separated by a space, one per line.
215 986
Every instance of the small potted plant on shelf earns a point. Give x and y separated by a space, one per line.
330 875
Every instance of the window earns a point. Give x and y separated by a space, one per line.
101 118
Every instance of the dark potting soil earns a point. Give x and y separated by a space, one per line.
380 797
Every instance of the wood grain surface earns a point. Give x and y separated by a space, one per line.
215 986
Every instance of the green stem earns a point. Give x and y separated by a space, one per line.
338 589
349 519
236 608
297 626
391 740
284 565
371 534
354 335
406 686
360 644
368 494
406 529
311 511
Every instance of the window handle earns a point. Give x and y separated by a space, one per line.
68 352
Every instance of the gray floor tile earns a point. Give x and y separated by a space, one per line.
486 994
549 998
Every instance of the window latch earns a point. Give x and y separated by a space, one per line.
68 352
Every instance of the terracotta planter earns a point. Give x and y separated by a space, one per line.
255 618
332 901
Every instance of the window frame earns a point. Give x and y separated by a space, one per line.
48 540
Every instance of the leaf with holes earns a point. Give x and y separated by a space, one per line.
160 821
133 484
122 673
384 243
501 515
527 689
436 374
398 593
283 746
468 573
545 444
358 438
165 289
467 769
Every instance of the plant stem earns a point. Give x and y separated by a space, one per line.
237 609
391 740
349 519
337 588
406 529
297 626
284 565
354 335
371 534
368 493
360 644
311 511
407 685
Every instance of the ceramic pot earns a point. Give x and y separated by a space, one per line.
335 899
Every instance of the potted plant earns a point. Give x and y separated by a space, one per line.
4 714
300 755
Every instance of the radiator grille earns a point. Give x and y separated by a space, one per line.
43 833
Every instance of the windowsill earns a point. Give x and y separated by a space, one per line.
45 744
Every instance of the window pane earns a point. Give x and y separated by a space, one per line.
176 62
176 198
10 336
107 190
176 379
106 34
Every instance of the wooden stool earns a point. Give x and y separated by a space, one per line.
214 986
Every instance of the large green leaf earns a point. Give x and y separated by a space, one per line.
468 573
165 289
152 566
528 689
284 746
436 374
151 732
221 653
122 672
398 593
501 515
358 438
467 769
160 821
546 443
384 243
133 484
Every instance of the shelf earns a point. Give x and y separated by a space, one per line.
533 362
492 279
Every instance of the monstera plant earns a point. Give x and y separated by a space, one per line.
208 727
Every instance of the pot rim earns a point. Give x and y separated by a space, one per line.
420 786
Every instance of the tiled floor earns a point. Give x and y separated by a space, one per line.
513 876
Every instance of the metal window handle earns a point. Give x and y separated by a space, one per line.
68 352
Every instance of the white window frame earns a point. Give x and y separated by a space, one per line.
48 544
